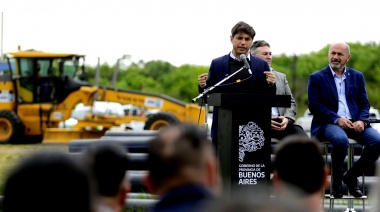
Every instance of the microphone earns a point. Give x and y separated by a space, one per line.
246 64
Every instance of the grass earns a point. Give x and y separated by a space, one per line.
12 154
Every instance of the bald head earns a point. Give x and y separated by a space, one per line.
339 55
341 45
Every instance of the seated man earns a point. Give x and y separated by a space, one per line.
283 119
338 100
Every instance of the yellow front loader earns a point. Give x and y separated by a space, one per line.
41 89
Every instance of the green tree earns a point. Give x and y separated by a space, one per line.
105 77
135 78
156 69
183 82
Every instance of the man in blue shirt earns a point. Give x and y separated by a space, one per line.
337 98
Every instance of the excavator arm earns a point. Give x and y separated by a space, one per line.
171 111
178 108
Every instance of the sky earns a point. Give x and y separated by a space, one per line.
181 32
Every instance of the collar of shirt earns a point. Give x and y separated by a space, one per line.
238 59
335 75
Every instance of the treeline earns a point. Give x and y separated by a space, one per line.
181 82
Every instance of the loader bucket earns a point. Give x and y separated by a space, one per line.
65 135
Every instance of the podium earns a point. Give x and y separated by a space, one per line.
244 140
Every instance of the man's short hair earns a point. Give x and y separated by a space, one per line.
48 181
108 163
258 43
299 162
176 147
242 27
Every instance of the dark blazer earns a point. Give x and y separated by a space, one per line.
323 97
219 68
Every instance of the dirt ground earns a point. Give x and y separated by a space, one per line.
11 154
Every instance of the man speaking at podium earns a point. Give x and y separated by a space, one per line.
254 78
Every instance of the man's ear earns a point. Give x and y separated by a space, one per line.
126 187
276 178
149 184
211 173
325 176
214 180
124 190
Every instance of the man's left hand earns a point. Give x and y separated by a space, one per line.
359 126
279 123
271 77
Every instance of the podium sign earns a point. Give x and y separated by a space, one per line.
244 140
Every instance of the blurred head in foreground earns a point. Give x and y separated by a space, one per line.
108 164
182 162
300 171
47 181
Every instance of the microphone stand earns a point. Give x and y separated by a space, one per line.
206 91
206 112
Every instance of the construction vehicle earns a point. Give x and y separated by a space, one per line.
41 89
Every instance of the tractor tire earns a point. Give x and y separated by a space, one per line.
11 127
161 119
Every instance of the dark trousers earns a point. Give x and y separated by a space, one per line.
339 141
